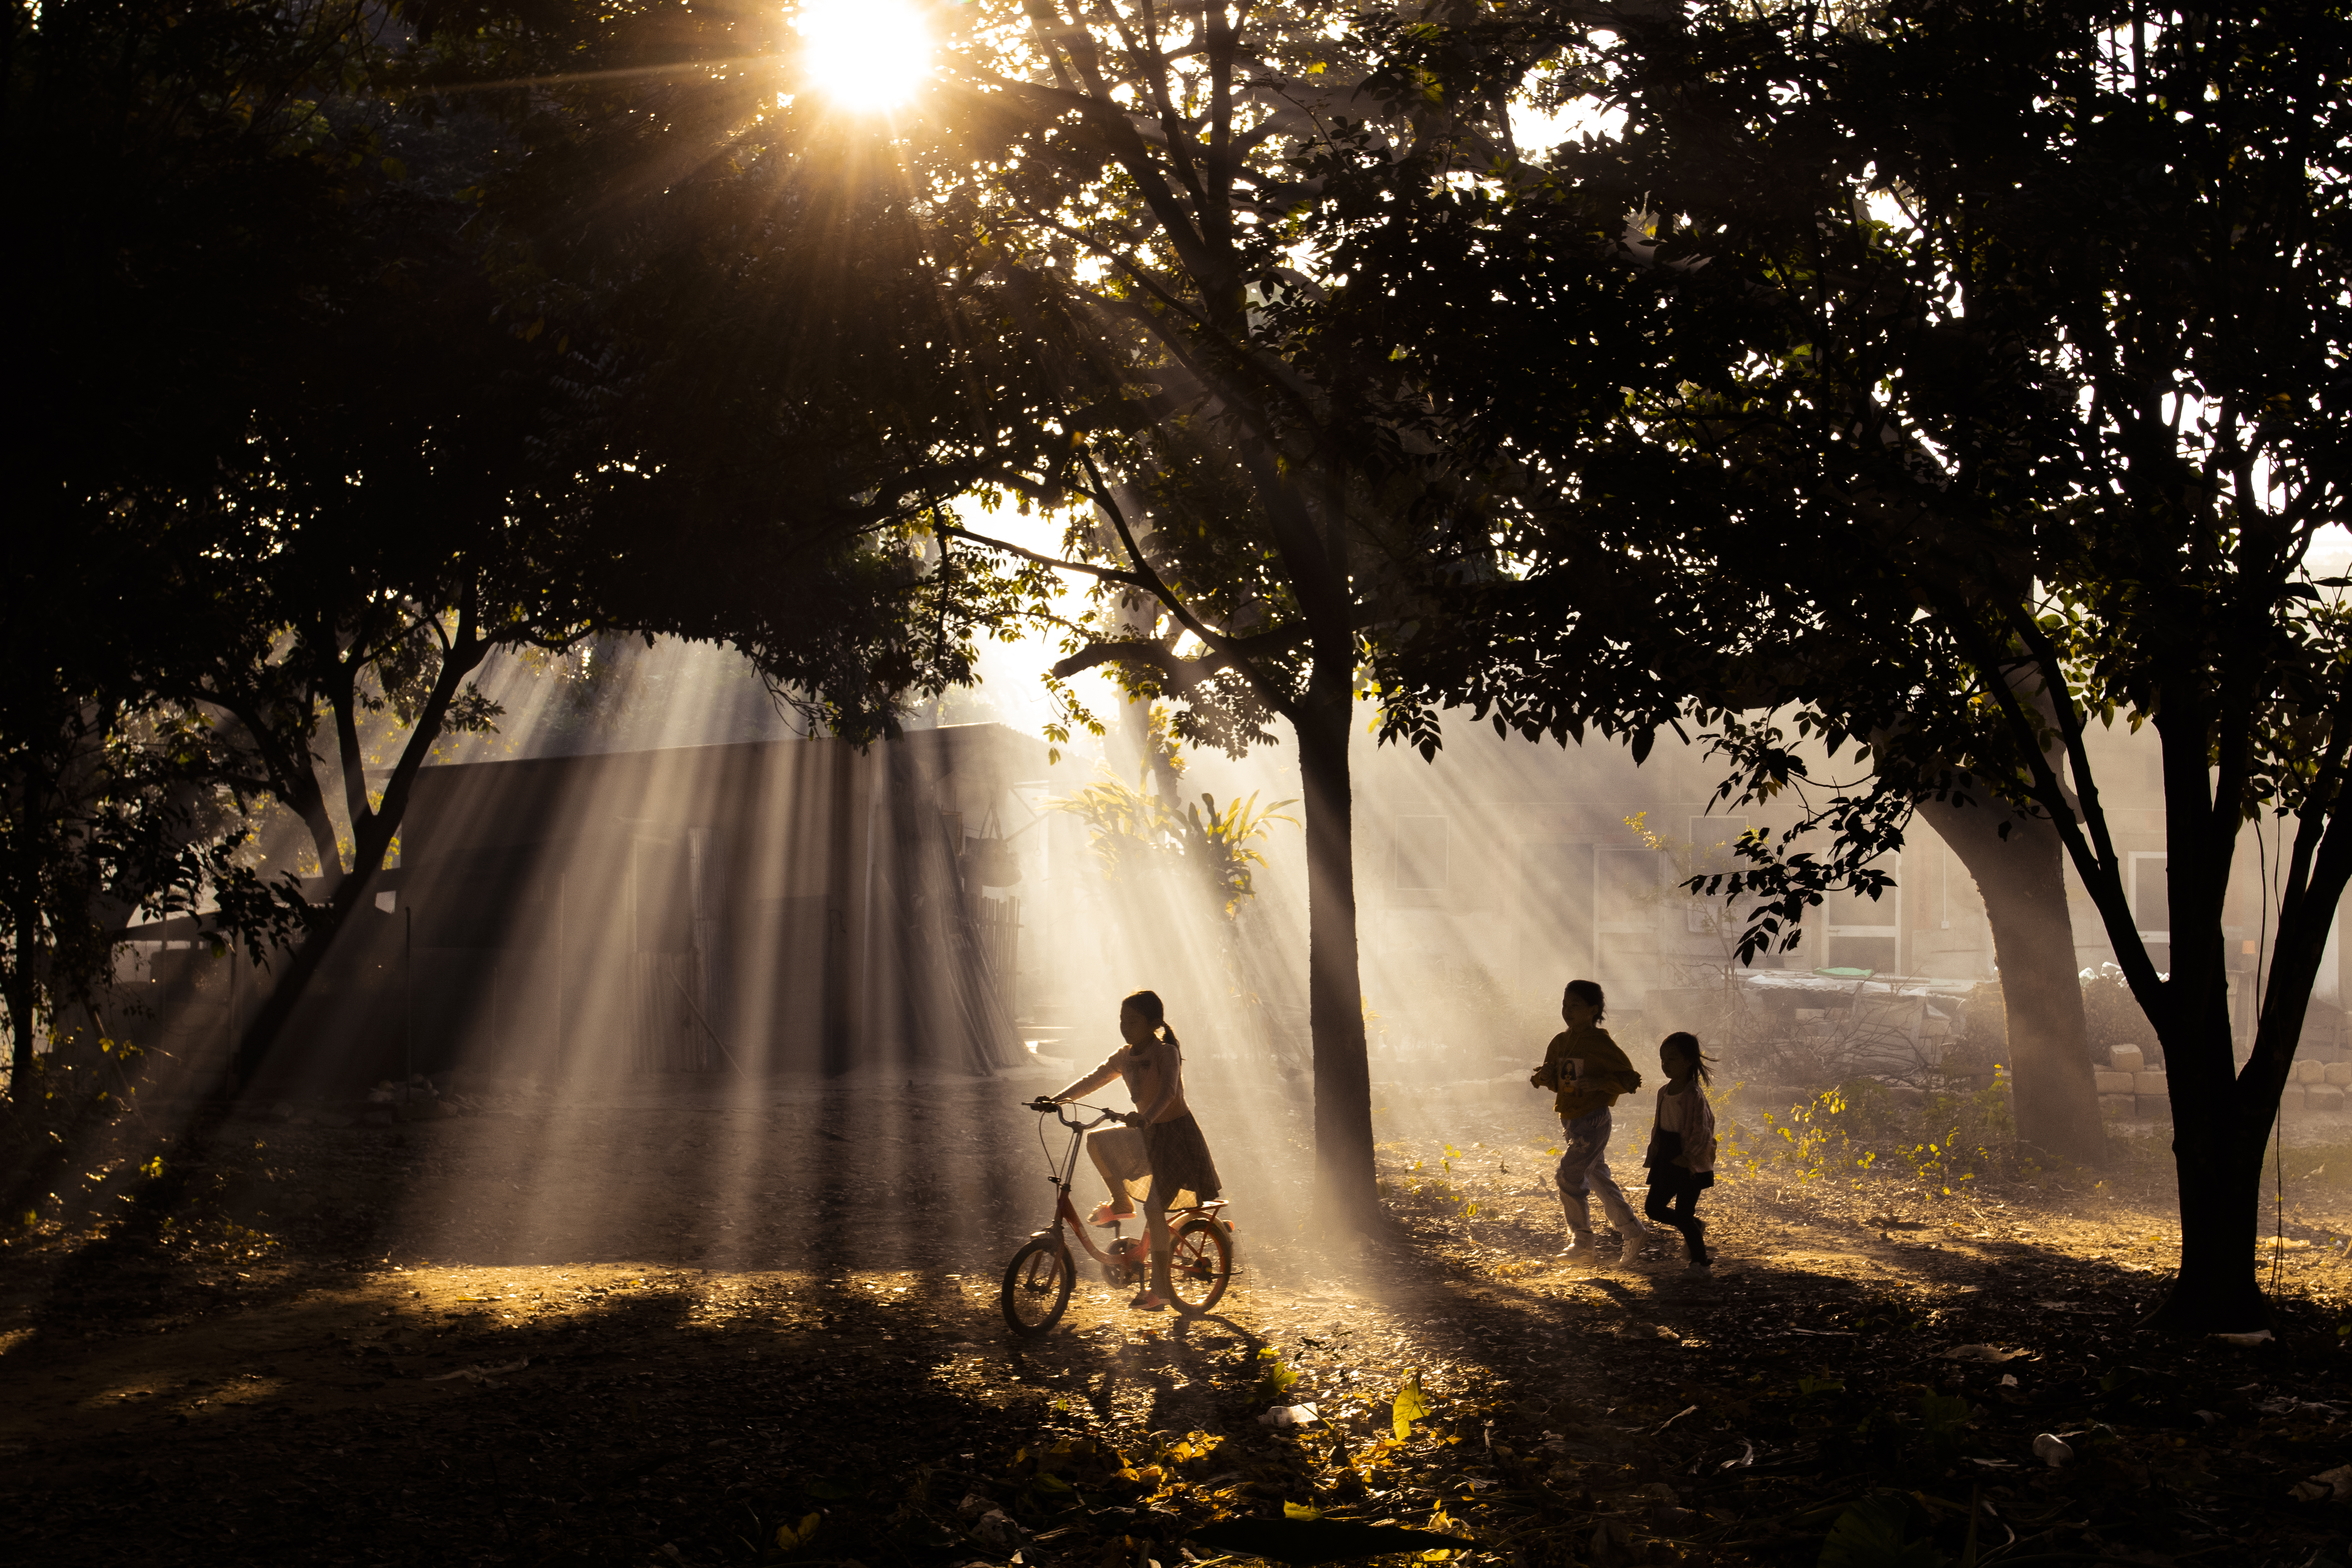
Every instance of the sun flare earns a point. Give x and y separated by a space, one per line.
864 54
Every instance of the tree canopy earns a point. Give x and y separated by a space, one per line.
370 359
1994 395
1242 493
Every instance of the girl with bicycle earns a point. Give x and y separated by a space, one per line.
1161 1151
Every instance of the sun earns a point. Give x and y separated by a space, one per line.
864 54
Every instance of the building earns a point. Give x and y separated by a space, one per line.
786 906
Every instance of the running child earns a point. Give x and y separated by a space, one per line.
1681 1157
1587 1072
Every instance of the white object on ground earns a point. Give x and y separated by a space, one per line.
2328 1486
1288 1416
2053 1450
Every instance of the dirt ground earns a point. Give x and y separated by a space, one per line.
664 1327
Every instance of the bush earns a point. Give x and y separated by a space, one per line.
2111 1018
1944 1140
2112 1015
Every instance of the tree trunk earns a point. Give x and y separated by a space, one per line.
270 1018
21 1005
2223 1114
2218 1289
2218 1140
1345 1190
2023 880
371 841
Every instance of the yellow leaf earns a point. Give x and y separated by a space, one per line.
1410 1405
789 1539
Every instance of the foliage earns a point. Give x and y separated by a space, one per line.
1238 490
176 157
1274 1378
109 816
1409 1406
2112 1014
1882 1531
1135 833
1985 393
350 383
1945 1141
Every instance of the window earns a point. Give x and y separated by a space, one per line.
1626 960
1422 860
1629 889
2150 891
1712 839
1555 924
1712 855
1863 932
2151 896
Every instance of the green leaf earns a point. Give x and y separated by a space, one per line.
1943 1411
1301 1510
1274 1378
1310 1540
1410 1405
1875 1533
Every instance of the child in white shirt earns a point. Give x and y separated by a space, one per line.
1681 1157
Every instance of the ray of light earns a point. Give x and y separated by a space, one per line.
565 78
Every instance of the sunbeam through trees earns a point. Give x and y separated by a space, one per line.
632 629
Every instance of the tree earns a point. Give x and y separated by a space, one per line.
1994 388
2018 862
1139 173
107 811
453 379
185 190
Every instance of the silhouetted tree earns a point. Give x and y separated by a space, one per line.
1994 393
1137 174
365 364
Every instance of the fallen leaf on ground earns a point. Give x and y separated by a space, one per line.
1304 1541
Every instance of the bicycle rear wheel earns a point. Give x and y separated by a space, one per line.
1200 1264
1038 1285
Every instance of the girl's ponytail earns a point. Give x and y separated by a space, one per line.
1686 1043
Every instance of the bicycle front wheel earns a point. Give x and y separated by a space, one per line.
1200 1264
1038 1285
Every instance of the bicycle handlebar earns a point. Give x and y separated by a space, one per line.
1043 1106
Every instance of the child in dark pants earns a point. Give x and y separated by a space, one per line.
1681 1159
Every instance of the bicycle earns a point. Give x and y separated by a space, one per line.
1038 1280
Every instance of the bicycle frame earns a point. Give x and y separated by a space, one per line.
1065 1172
